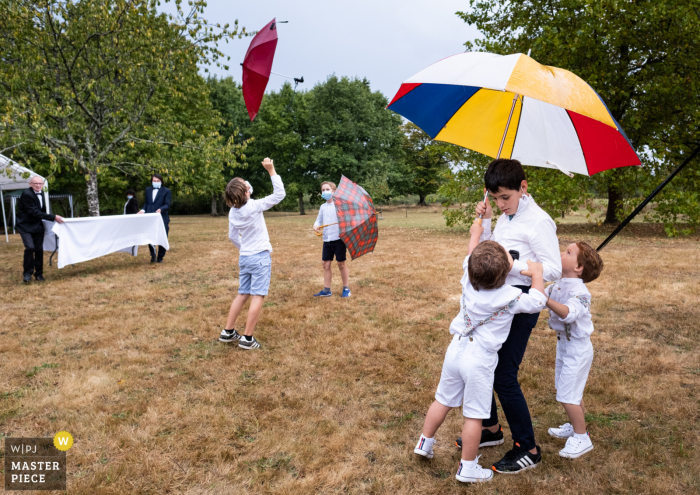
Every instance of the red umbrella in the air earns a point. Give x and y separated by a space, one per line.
257 67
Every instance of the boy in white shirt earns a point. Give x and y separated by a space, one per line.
332 243
526 228
248 232
569 304
487 308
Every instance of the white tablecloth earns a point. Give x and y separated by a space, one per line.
87 238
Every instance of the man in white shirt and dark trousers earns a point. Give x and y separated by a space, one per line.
526 228
333 245
248 232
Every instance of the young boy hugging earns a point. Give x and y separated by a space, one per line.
248 232
569 304
526 228
487 308
332 243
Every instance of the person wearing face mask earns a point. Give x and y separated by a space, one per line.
333 245
131 207
526 228
158 199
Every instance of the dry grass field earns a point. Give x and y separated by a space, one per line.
124 355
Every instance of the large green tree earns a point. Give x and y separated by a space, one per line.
641 56
112 84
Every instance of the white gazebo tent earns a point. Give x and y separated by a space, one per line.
13 176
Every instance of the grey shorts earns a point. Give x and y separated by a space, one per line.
254 274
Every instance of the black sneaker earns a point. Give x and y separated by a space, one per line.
249 344
229 336
517 460
488 439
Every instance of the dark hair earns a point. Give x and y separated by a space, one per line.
591 262
235 193
488 266
157 176
508 174
130 191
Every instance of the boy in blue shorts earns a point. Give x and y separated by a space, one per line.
248 232
333 245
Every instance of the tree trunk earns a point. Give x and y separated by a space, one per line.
221 205
92 199
301 204
213 205
614 203
421 200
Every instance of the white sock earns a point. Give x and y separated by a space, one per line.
580 436
427 445
469 464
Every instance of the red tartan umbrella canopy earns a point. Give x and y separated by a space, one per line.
357 220
257 66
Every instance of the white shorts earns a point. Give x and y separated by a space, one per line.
467 378
574 358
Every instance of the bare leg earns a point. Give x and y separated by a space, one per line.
471 435
344 273
435 417
236 307
254 311
327 274
576 416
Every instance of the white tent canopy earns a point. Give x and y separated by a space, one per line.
14 176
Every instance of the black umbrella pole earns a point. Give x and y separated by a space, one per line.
647 199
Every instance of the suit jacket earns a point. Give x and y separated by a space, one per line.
162 202
30 213
132 207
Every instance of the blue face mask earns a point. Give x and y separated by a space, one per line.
156 185
326 195
129 197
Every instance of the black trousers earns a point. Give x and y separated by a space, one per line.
161 249
33 253
506 384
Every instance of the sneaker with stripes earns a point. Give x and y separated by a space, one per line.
424 447
229 336
488 439
248 344
564 431
517 460
475 474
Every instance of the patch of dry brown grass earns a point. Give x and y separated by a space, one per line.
123 354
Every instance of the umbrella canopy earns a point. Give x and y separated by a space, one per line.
357 220
510 106
257 66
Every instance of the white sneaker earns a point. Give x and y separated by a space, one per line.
474 475
424 447
576 447
564 431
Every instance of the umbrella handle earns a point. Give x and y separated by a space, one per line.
321 226
486 195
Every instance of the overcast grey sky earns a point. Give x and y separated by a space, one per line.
385 41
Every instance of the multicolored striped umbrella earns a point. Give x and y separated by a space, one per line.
510 106
357 220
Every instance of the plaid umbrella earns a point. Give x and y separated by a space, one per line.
357 220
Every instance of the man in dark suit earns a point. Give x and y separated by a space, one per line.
31 210
132 205
158 198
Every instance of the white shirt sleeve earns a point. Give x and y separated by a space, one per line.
577 308
276 197
486 234
319 219
233 235
533 302
546 246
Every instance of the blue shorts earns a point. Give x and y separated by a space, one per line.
254 274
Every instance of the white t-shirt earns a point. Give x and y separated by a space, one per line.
496 306
572 293
327 214
246 225
533 234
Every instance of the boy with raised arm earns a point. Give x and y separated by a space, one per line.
248 232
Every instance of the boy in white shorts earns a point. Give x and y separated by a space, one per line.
482 325
569 304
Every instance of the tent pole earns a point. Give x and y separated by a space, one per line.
4 219
510 116
647 199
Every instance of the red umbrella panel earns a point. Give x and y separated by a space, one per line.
357 219
257 66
